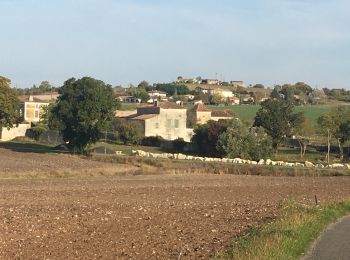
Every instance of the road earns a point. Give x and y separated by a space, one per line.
334 243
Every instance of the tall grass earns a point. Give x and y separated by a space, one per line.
289 237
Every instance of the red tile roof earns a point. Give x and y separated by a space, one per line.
199 107
144 117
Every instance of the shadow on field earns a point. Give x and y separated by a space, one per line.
30 147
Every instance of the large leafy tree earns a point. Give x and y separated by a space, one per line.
8 104
277 118
244 142
206 136
82 111
336 123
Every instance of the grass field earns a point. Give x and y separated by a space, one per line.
248 112
289 237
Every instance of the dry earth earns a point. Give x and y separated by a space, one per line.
139 217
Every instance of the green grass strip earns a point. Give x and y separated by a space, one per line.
290 237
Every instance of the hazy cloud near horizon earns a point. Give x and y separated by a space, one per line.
126 41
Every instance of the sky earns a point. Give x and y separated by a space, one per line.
127 41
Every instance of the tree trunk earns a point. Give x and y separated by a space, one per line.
301 149
341 149
304 149
328 145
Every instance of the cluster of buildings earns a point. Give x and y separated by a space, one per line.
199 80
171 121
31 110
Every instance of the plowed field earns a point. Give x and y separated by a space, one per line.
138 217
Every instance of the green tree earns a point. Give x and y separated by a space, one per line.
45 86
277 118
9 114
173 89
258 86
129 132
216 99
244 142
143 84
335 123
82 111
303 134
206 136
140 93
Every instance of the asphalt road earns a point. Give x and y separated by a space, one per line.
334 243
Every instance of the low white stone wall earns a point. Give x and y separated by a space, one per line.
12 133
180 156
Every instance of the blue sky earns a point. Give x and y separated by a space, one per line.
126 41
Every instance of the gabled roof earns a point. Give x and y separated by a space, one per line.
144 117
200 107
223 113
31 99
163 105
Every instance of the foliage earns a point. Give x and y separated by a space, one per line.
45 86
216 99
204 97
140 93
82 111
338 94
258 86
36 131
303 134
243 142
277 118
337 122
127 131
152 141
290 236
173 89
206 136
179 145
9 114
143 84
290 92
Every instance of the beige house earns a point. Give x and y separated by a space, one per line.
164 119
199 114
222 92
171 121
32 108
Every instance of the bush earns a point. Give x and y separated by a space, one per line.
243 142
179 145
128 132
152 141
36 131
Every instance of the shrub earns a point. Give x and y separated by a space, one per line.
128 132
179 145
152 141
36 131
243 142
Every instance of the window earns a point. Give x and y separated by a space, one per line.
168 123
176 123
36 113
157 125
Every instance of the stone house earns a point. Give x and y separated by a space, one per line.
32 108
199 114
163 119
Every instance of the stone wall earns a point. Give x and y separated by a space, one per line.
9 134
180 156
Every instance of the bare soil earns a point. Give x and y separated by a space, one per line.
138 217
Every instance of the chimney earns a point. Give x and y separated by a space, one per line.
31 98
